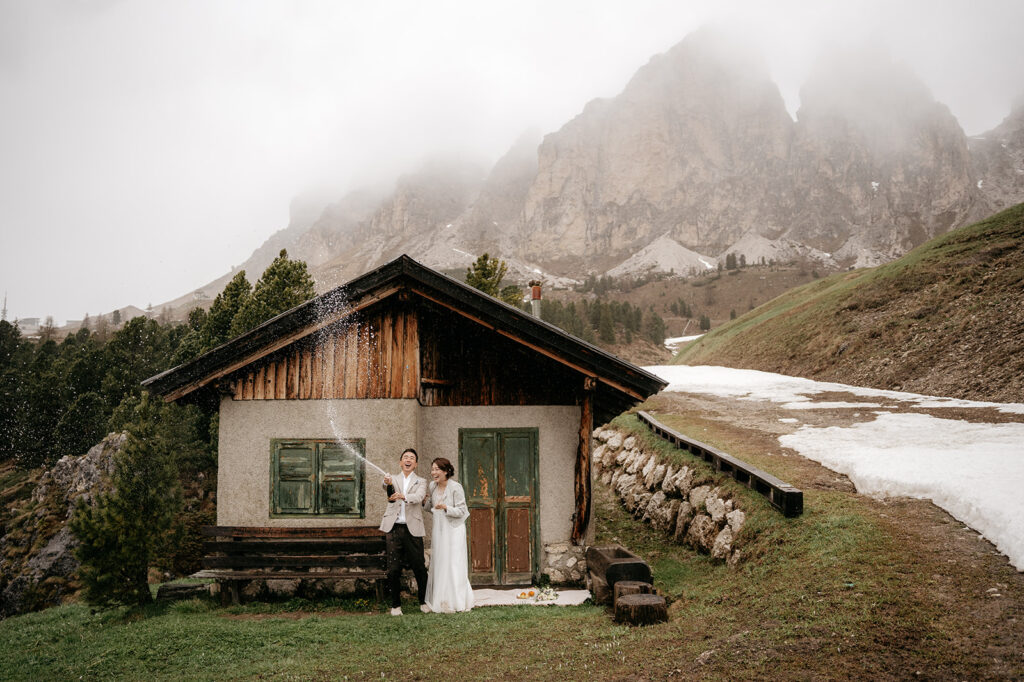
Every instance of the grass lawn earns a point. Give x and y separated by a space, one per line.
833 594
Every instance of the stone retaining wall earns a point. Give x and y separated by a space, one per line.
672 499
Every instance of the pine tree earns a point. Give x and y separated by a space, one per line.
125 530
605 326
283 285
216 328
486 274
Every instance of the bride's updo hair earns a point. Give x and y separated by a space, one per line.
445 466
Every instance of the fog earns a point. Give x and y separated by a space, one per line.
146 147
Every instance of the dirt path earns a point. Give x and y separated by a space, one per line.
961 571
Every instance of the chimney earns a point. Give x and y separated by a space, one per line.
535 297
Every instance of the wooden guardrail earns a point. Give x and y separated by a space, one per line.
781 495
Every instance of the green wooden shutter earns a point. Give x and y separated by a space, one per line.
340 475
294 466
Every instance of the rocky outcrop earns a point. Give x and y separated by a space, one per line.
37 564
695 158
701 516
998 157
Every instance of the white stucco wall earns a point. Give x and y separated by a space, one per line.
389 426
558 429
247 427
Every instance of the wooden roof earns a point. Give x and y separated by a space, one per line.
619 384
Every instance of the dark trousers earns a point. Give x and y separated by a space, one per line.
404 548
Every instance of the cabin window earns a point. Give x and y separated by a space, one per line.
318 478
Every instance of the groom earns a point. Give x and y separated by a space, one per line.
403 524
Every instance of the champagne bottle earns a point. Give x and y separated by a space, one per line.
391 490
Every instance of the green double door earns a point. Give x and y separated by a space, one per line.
498 469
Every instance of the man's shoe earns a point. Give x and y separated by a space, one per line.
424 608
397 611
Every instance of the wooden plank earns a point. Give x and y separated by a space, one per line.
236 384
329 574
270 388
363 360
481 540
290 532
375 380
352 361
259 382
305 373
327 352
332 560
316 382
386 348
339 362
293 375
281 380
300 546
397 360
247 388
517 541
411 350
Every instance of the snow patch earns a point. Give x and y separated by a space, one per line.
974 471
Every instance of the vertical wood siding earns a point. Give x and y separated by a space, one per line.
376 356
409 350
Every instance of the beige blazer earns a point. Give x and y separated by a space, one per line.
413 505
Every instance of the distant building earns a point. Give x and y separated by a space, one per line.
29 326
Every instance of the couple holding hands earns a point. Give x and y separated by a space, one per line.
447 588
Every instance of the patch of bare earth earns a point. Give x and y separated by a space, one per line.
948 566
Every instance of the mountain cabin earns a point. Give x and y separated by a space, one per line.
404 356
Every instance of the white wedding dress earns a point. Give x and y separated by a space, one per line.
448 587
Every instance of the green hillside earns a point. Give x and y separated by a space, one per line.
946 319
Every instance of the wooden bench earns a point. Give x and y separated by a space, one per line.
237 554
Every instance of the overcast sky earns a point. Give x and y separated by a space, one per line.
146 147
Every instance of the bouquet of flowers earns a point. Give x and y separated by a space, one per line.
546 594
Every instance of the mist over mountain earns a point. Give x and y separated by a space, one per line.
697 154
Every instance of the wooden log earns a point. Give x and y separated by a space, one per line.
627 587
581 518
615 563
178 592
641 609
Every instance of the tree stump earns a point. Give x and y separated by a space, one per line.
641 609
627 587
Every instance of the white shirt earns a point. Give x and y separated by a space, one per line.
401 509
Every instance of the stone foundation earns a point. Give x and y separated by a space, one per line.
564 563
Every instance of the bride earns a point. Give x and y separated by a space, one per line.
448 587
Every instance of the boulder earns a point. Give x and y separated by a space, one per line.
609 457
683 518
667 483
637 462
606 477
649 466
701 533
715 506
653 508
698 495
629 443
683 482
615 440
722 546
736 518
666 518
598 455
625 483
654 478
